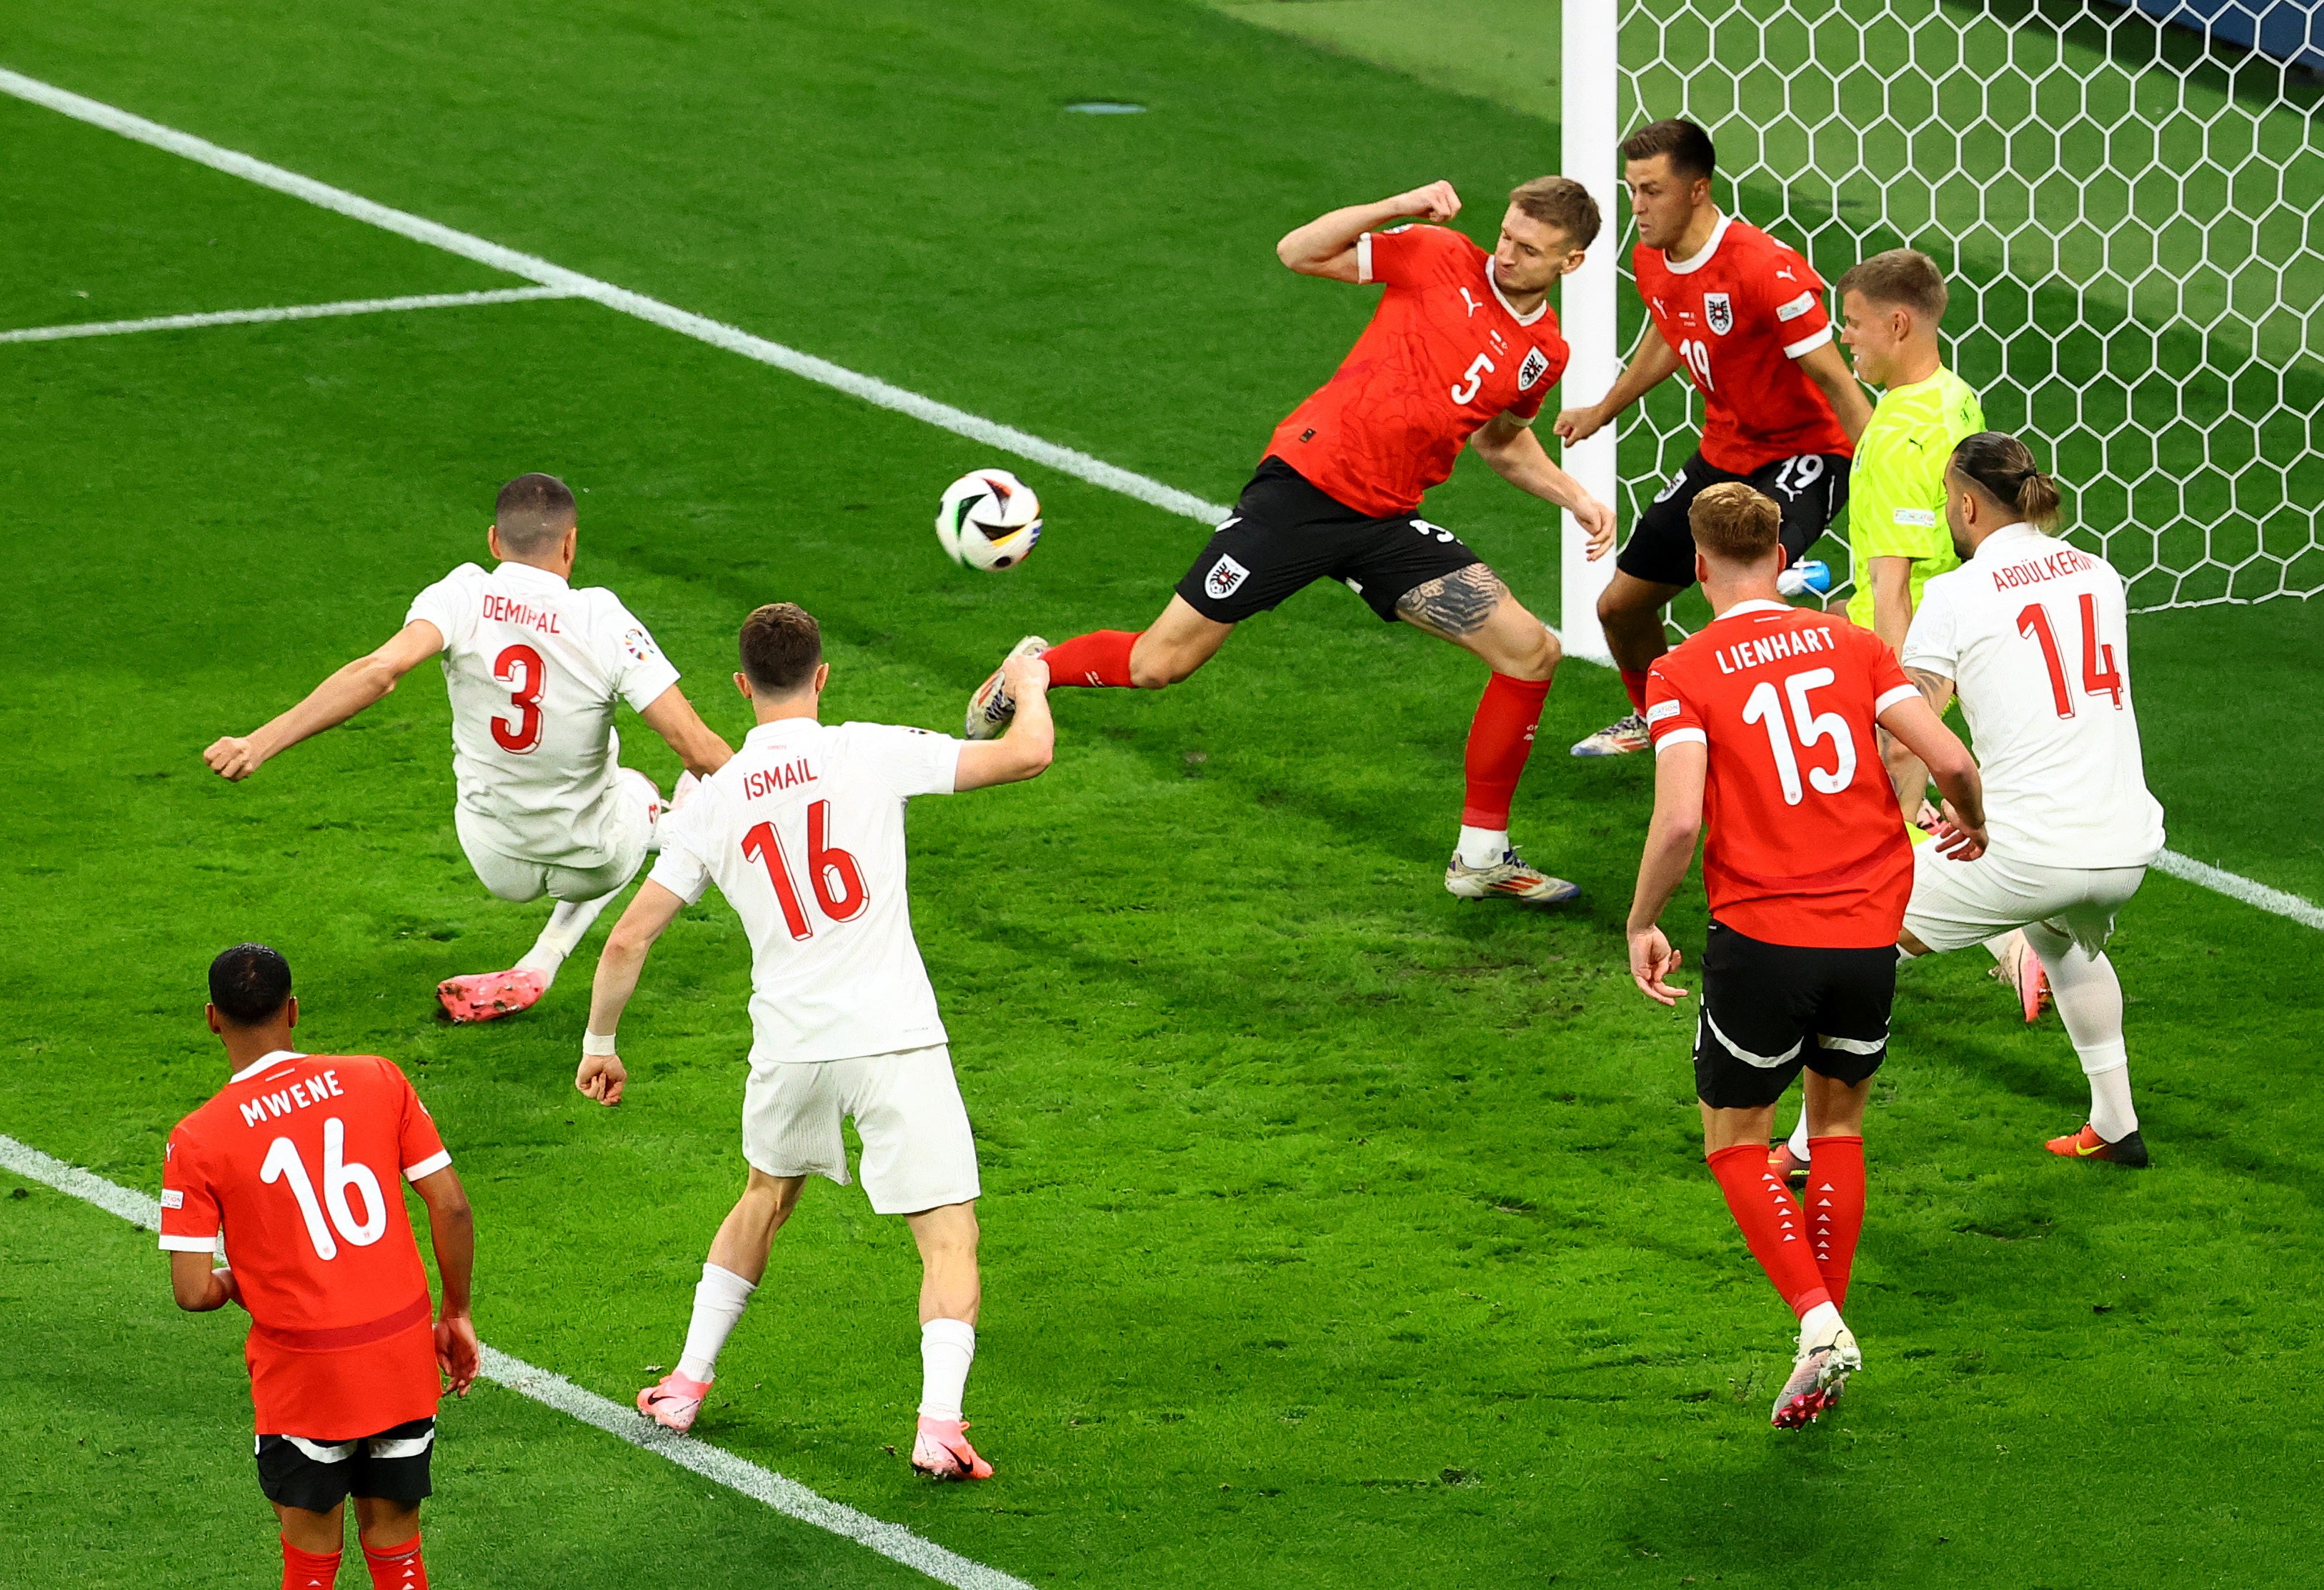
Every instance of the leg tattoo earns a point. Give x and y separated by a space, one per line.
1457 605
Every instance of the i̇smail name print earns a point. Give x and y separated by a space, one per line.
1775 648
522 614
774 780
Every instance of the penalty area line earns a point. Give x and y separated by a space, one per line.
715 1464
1069 461
432 301
2237 887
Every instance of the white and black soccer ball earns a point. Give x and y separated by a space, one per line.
988 519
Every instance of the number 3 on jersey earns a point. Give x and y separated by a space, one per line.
520 668
836 880
2100 676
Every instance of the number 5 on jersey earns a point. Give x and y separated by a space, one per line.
832 872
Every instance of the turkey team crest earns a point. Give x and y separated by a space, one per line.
1716 313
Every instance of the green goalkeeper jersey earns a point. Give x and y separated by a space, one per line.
1896 489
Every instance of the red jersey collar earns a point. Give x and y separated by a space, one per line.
1702 255
271 1057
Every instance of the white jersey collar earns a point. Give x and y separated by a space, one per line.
525 574
780 729
1756 604
271 1057
1539 309
1702 255
2016 531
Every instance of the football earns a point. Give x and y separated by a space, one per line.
988 519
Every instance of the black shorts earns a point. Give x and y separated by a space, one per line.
1285 534
317 1475
1810 490
1769 1009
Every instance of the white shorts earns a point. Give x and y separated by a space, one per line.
629 831
1957 904
918 1151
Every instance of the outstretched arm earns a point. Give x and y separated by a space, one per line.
673 717
452 1229
1680 771
1652 362
1326 245
653 908
1025 750
1517 456
1829 370
1961 835
331 704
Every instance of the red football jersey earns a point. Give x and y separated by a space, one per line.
1805 843
1738 315
1444 353
300 1161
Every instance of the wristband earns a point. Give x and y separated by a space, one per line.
596 1043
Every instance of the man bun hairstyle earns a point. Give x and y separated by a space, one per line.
1689 147
1900 277
1562 202
1735 524
249 984
2003 468
532 513
781 646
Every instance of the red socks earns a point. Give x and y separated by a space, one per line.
1635 681
1500 738
398 1568
1099 657
306 1570
1771 1222
1835 1207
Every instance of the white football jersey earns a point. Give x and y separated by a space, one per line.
534 668
2033 635
802 832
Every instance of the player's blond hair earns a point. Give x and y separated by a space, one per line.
1562 202
1735 524
1904 277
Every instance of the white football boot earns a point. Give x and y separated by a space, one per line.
992 708
1512 877
1619 738
1818 1375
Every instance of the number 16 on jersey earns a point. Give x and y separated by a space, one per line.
832 874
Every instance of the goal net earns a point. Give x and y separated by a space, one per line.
2128 215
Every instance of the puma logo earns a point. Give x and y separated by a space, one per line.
1473 305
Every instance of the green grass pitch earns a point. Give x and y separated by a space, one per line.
1339 1233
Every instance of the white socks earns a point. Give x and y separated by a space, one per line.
2089 1002
1818 1321
1799 1144
718 1301
562 936
948 1347
1482 847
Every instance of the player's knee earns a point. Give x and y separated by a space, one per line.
1157 669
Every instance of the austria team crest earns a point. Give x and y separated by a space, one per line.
1534 368
1718 313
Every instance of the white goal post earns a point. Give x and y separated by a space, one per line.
2129 211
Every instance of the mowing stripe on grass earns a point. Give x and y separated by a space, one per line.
2237 887
785 1496
431 300
871 389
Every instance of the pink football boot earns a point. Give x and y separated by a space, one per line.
941 1450
487 996
673 1402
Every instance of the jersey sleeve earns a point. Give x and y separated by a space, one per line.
910 762
1895 497
1932 644
683 867
189 1210
449 604
1671 719
1404 256
1794 294
419 1147
635 664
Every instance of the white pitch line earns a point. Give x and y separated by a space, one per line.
871 389
715 1464
432 301
2237 887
